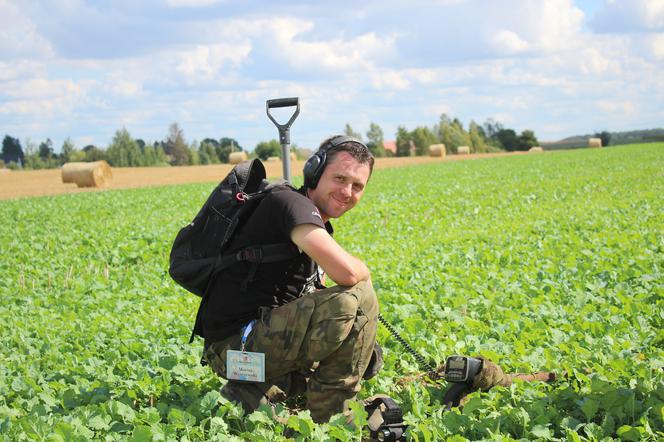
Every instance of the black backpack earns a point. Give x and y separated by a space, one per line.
197 255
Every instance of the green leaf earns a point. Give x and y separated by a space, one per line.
180 418
209 401
627 432
589 408
541 431
141 433
99 422
122 411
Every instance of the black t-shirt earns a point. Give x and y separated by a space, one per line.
229 305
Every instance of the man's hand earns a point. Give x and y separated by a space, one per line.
342 267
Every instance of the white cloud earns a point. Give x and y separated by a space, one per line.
612 106
19 35
508 42
593 62
656 43
389 79
204 62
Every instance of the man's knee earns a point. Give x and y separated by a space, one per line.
366 298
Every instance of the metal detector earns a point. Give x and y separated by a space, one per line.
284 129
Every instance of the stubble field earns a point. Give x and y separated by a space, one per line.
552 261
18 184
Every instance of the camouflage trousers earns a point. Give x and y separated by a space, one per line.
319 344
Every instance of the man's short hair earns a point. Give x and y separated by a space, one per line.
356 148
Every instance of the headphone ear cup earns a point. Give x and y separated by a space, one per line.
313 169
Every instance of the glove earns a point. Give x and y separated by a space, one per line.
375 363
489 376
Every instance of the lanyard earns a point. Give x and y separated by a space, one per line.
246 331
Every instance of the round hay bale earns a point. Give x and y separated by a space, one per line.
536 149
594 142
437 150
94 174
238 157
273 159
463 150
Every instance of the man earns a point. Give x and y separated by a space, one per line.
315 340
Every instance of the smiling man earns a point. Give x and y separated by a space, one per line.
272 329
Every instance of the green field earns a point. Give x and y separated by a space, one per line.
551 261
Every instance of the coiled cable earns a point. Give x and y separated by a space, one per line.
418 357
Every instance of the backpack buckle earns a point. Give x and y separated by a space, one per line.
251 254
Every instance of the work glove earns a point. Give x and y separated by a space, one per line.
375 363
489 376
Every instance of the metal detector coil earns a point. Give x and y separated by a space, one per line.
284 129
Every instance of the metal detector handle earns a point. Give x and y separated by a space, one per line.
284 129
283 102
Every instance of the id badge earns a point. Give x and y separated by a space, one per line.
245 366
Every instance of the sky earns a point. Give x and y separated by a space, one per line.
85 69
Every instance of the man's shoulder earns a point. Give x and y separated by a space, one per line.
287 195
298 207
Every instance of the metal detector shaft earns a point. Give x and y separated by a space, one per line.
284 129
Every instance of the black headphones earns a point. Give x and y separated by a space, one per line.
314 167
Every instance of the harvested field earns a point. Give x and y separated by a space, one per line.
18 184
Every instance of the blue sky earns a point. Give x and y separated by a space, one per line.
71 68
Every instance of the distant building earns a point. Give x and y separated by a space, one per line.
390 146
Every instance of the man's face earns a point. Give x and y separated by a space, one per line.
340 187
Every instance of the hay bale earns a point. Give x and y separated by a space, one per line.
273 159
238 157
293 157
437 150
463 150
94 174
594 142
536 149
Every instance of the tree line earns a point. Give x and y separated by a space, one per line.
126 151
491 136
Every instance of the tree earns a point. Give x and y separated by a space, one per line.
375 140
123 150
452 134
32 160
605 136
404 142
476 135
46 150
491 128
423 138
12 151
192 154
266 149
176 147
225 147
93 153
507 139
207 153
527 140
68 150
351 133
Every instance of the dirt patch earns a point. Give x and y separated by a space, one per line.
18 184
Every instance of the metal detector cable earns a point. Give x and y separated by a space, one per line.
420 359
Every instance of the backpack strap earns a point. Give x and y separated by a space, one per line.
257 254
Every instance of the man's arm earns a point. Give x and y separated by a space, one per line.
342 267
